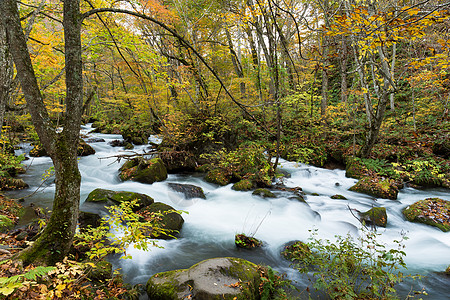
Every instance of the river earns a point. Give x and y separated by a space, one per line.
211 223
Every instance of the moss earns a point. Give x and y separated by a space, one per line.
5 224
163 291
246 242
265 193
243 185
170 220
101 272
113 197
430 211
377 187
145 171
376 216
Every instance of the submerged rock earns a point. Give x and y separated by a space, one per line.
377 187
265 193
171 221
109 197
143 170
375 216
190 191
431 211
213 279
337 196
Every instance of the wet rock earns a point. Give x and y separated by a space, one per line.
265 193
95 140
84 149
377 187
143 170
190 191
243 185
117 143
108 197
375 216
10 183
213 279
246 242
431 211
337 196
171 221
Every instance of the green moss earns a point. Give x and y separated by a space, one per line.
243 185
431 211
106 196
5 224
296 252
171 221
376 216
101 272
265 193
377 187
246 242
163 291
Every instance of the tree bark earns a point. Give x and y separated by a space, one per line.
6 74
55 241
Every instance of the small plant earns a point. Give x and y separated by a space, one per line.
360 268
246 242
272 284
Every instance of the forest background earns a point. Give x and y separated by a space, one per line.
362 85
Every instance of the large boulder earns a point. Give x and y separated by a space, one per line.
171 221
143 170
377 187
188 190
108 197
375 216
213 279
178 161
243 185
431 211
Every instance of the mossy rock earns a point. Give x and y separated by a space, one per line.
171 221
6 224
86 219
296 251
243 185
447 271
265 193
226 278
84 149
315 194
189 191
179 161
218 176
375 216
142 170
113 198
355 169
431 211
101 272
377 187
246 242
337 196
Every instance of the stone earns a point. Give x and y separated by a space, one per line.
265 193
218 176
337 196
375 216
377 187
224 278
109 197
95 140
188 190
178 161
246 242
86 219
84 149
142 170
430 211
171 221
243 185
101 272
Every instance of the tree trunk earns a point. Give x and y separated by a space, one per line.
6 74
236 63
55 241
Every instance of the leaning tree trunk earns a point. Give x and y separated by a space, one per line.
55 241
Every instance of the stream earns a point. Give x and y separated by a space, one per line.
211 223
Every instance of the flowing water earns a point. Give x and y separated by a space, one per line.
211 223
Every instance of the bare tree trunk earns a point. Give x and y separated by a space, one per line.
236 62
55 241
343 63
